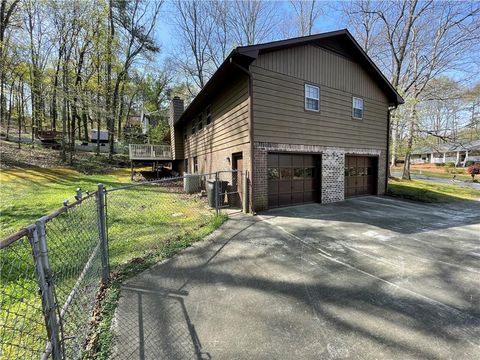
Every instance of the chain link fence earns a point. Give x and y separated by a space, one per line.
23 333
50 274
51 271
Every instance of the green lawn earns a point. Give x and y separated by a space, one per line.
146 223
443 175
439 172
29 193
428 191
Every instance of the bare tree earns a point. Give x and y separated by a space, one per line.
196 29
440 43
366 25
306 14
221 41
252 21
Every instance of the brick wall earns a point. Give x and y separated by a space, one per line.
333 165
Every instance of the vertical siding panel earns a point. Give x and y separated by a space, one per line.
317 65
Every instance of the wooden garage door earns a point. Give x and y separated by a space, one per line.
360 175
291 179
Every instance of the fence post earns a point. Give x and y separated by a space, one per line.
38 241
102 231
78 195
216 192
245 191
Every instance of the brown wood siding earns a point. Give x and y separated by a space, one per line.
230 122
278 100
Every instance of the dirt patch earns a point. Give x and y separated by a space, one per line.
11 156
26 156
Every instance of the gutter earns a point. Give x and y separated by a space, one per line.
250 96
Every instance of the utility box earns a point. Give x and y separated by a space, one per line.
216 187
191 183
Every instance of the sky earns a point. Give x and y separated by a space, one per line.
166 32
331 19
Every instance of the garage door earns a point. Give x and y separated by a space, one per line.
291 179
360 175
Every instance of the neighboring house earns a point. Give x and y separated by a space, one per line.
140 122
308 118
458 153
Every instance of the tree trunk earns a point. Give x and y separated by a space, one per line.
10 108
85 121
120 112
411 131
108 104
54 111
64 114
394 139
19 112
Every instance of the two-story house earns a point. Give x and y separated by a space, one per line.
307 117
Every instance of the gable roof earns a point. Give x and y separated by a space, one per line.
340 41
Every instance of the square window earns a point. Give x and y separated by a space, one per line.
200 121
285 173
298 173
357 108
273 174
312 98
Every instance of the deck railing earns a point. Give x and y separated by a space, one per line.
149 152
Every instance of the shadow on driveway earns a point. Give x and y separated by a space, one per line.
311 282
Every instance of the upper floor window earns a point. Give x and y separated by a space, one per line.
194 126
185 134
312 98
208 112
357 108
200 121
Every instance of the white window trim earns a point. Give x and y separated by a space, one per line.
305 98
353 107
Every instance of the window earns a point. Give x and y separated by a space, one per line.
209 114
195 165
312 98
186 166
185 135
200 122
194 126
357 111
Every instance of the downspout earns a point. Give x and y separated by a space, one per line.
250 97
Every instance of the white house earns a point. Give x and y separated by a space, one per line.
458 153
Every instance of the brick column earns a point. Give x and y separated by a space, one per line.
260 181
333 176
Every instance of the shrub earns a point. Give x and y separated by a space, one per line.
473 170
449 164
470 163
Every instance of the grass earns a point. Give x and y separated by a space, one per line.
147 223
29 193
427 191
440 172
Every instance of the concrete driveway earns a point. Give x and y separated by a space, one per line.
368 278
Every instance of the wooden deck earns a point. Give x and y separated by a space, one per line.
149 152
